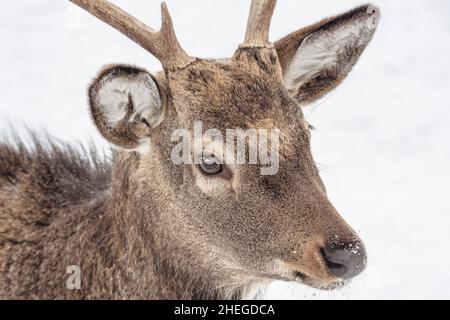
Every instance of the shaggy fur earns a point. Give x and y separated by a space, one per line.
140 226
59 207
48 192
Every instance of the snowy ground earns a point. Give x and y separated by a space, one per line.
383 137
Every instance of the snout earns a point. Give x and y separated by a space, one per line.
344 260
328 263
327 252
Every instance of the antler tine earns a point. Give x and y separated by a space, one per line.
257 34
163 44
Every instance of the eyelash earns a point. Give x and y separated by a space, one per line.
224 169
224 173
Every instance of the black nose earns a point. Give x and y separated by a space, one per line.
345 259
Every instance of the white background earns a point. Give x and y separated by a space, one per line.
382 139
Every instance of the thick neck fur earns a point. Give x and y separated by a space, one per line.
99 222
147 265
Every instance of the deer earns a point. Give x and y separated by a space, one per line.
137 226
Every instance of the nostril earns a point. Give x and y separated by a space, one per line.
336 268
344 261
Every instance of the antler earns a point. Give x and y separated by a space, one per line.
257 34
163 44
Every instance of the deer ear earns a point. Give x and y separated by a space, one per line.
126 105
316 59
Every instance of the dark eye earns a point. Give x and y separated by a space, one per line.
209 166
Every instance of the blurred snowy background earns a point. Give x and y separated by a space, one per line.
382 139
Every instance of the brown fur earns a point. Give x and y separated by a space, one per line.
329 78
140 226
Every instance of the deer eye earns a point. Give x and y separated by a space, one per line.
209 166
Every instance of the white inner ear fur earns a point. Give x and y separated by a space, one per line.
321 49
115 93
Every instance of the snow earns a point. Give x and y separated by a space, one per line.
382 138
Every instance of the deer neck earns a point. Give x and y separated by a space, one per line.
149 264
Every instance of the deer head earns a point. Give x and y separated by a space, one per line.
228 220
